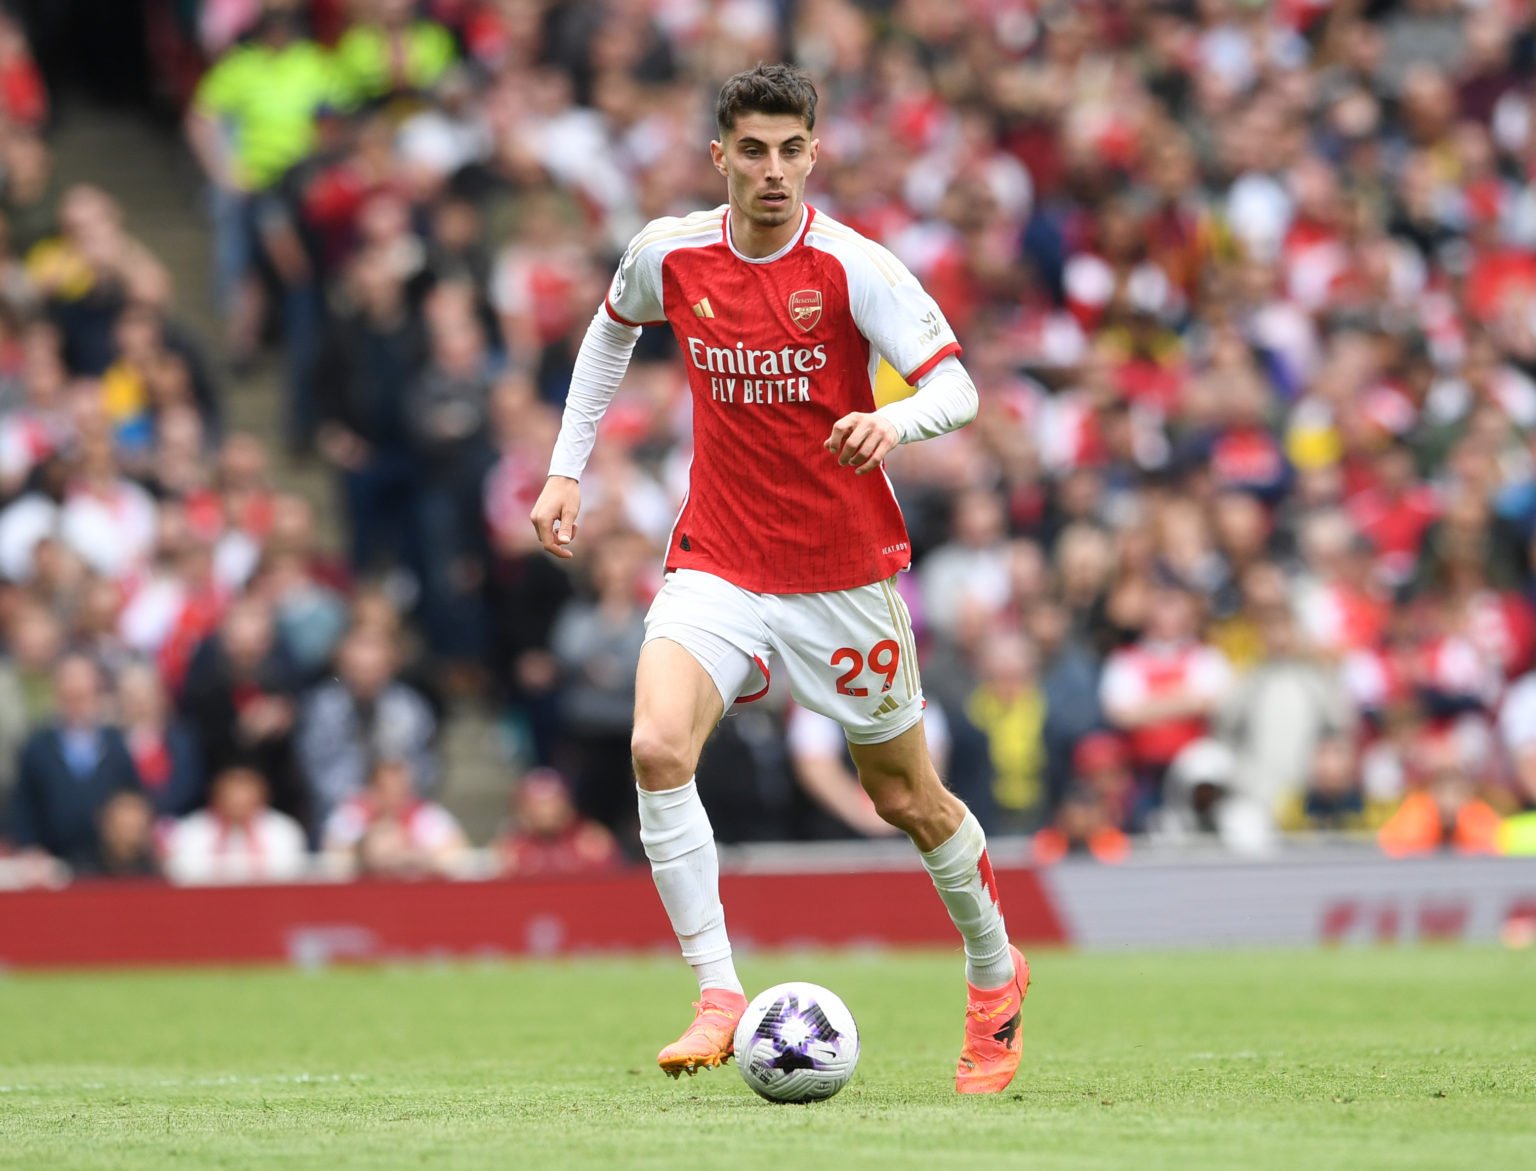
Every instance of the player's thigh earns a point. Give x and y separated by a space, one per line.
677 705
851 656
704 645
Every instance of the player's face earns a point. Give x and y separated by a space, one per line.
766 159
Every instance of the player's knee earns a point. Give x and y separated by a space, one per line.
895 800
661 758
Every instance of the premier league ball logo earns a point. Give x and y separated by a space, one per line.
797 1043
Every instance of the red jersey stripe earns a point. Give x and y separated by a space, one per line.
622 320
942 353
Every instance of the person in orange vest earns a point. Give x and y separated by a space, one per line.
1445 815
1091 814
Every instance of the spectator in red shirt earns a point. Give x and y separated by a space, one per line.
1340 606
331 195
548 836
1163 689
1394 511
1242 453
23 97
388 831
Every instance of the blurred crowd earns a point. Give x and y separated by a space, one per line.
1240 546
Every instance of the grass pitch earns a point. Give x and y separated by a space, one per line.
1349 1059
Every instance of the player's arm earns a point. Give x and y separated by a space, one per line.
905 326
945 401
600 366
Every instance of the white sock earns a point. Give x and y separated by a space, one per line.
963 875
678 839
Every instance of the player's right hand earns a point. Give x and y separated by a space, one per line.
554 515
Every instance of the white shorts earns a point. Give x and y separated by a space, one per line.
848 654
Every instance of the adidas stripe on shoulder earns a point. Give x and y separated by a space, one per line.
859 251
634 298
675 228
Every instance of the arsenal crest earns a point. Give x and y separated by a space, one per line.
805 308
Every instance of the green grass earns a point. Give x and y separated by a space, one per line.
1302 1061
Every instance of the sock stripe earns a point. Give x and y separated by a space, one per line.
989 880
962 873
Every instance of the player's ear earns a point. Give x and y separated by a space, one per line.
717 155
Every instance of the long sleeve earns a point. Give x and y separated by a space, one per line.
945 401
600 367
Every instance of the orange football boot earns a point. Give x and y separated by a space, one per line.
711 1039
994 1042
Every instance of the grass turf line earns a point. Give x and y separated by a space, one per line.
1397 1059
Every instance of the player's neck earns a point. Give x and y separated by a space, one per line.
756 242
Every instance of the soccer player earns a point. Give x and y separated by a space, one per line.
789 538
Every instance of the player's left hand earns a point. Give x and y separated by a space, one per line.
862 441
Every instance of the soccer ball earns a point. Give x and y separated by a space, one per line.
797 1042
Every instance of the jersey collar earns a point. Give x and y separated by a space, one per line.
806 212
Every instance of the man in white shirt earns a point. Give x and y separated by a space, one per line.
239 838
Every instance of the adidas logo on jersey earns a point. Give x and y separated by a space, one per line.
703 309
887 706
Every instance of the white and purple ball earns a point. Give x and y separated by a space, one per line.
797 1042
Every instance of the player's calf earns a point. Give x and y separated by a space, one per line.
906 791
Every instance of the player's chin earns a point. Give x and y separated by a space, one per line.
775 212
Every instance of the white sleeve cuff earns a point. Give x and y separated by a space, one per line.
945 401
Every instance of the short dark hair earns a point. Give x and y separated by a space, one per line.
766 89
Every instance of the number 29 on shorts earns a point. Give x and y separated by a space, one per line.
884 659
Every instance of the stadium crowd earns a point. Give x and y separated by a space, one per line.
1241 543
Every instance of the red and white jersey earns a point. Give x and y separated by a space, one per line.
425 825
777 350
1146 671
204 849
